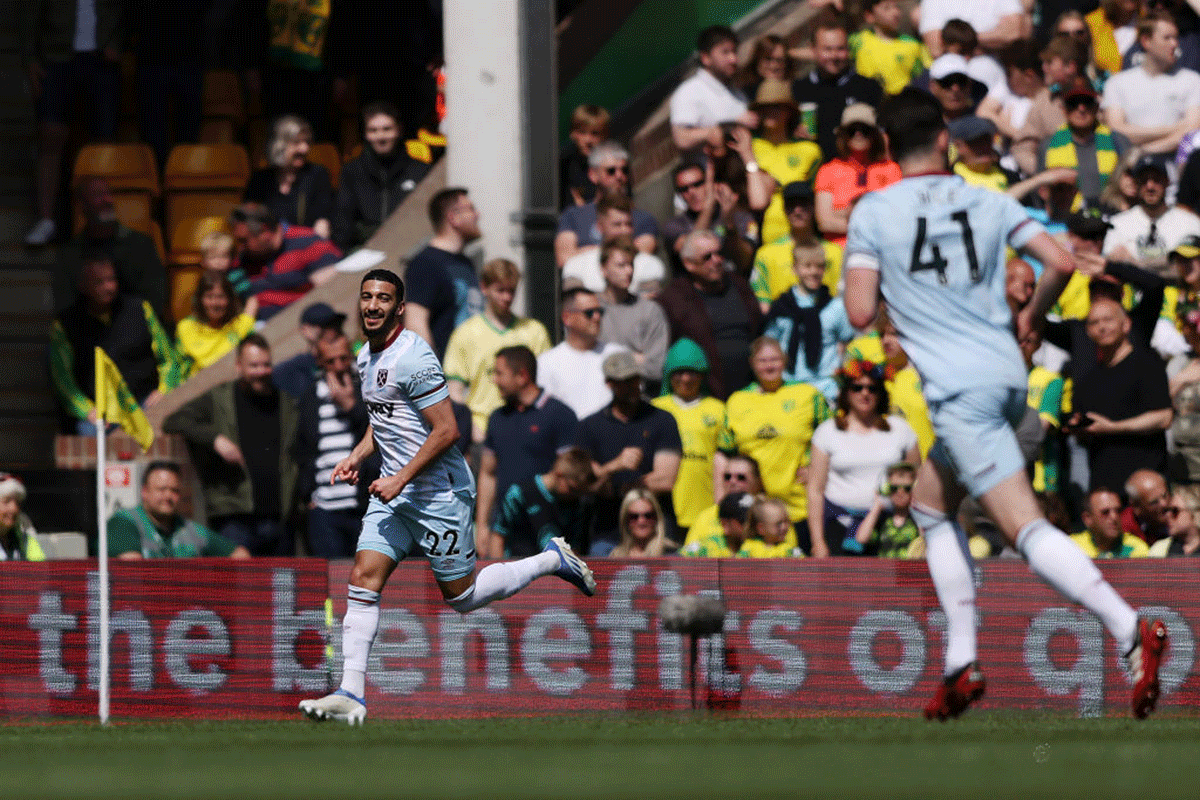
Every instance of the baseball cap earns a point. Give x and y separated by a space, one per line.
1087 226
858 112
620 366
735 505
322 315
971 127
774 92
1147 163
797 193
946 65
1188 248
1079 87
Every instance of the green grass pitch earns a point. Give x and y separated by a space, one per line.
990 755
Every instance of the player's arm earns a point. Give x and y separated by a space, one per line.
862 294
1059 266
443 434
347 469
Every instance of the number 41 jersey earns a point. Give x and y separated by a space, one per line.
939 246
397 383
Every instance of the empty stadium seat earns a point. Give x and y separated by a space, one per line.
327 156
224 109
204 180
125 167
187 235
183 282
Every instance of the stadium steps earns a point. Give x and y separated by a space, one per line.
28 413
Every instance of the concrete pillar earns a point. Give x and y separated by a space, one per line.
500 126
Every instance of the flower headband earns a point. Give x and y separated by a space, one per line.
857 368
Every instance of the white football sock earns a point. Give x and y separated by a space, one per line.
1059 562
955 583
358 633
504 579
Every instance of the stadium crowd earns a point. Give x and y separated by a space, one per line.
709 396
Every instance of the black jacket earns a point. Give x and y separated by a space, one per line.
369 191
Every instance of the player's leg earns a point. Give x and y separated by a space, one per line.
1003 489
382 543
937 495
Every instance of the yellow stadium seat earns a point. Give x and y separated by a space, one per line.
204 180
187 235
327 156
184 280
124 167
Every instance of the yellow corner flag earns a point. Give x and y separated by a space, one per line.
115 403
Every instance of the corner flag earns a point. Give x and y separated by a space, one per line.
115 403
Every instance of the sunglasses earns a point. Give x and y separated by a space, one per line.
900 487
864 387
954 80
859 127
591 313
615 170
687 186
700 259
1075 103
741 476
648 515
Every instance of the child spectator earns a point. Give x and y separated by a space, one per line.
978 162
216 255
891 534
18 538
882 52
215 326
589 127
771 532
810 325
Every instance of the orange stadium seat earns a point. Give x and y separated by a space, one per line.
204 180
224 109
184 280
155 233
327 155
125 167
187 235
133 209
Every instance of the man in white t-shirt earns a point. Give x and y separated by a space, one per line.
997 23
1156 103
614 217
708 98
1147 233
571 370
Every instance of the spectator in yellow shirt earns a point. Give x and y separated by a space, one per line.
882 52
772 274
215 326
1103 537
771 532
778 152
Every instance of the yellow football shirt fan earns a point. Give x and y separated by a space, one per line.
776 430
786 163
773 274
894 62
471 357
699 426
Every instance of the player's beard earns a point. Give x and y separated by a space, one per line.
387 326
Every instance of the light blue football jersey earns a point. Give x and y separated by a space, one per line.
397 384
939 246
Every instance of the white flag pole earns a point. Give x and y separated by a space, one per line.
102 557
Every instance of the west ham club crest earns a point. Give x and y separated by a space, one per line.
381 378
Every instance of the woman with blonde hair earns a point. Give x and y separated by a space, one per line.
1183 524
643 531
296 190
